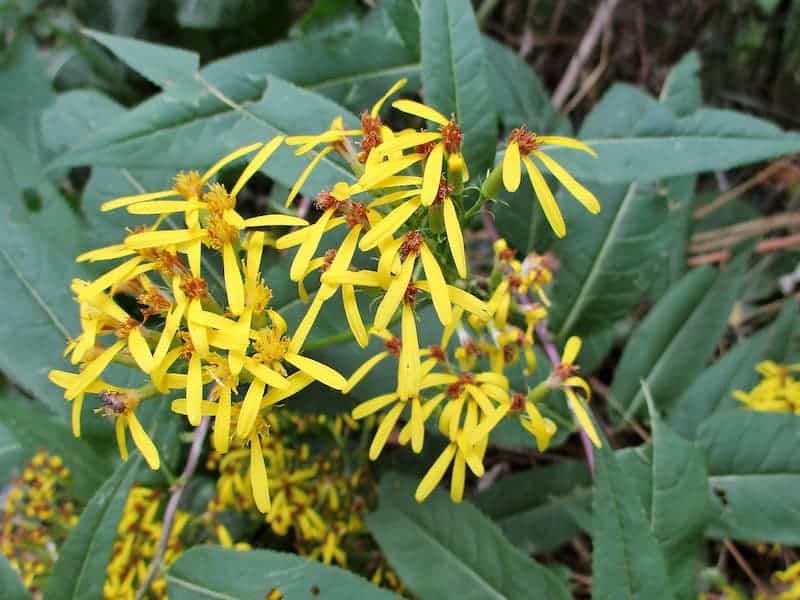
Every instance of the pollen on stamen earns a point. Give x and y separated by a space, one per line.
526 140
517 402
195 287
357 214
188 184
410 295
412 243
452 137
325 200
394 345
445 189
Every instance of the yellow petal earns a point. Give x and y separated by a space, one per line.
77 404
127 200
389 224
93 370
353 316
389 262
140 350
583 195
420 110
320 372
233 279
457 478
373 405
437 285
376 108
209 409
309 246
362 371
265 374
275 220
304 328
455 239
571 350
392 197
229 158
166 237
567 142
114 276
361 278
255 164
512 171
488 423
394 295
582 415
432 175
417 426
412 139
375 176
249 409
258 475
435 473
233 218
194 389
409 372
197 333
305 174
107 253
143 441
546 198
119 430
384 429
297 381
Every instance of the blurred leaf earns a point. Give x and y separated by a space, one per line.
455 76
74 115
34 430
439 545
24 94
677 338
10 582
405 16
627 561
212 572
706 140
680 505
711 392
520 95
682 91
754 472
327 17
531 506
172 69
80 571
12 454
610 260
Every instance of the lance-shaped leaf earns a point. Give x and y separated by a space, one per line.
212 572
455 76
81 567
439 545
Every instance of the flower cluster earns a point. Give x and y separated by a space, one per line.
37 516
778 390
233 356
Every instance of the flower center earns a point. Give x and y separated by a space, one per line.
526 140
452 137
195 287
218 200
270 345
188 184
411 244
394 346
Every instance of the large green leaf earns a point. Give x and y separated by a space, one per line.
682 91
680 504
520 95
405 16
210 572
627 560
446 550
706 140
531 506
10 582
675 341
754 470
455 76
610 260
711 391
81 567
34 431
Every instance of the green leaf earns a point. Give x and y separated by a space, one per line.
74 115
627 561
530 506
34 431
706 140
81 567
12 454
405 16
173 69
439 545
754 473
24 94
682 91
678 337
10 582
355 71
283 109
520 95
212 572
455 76
610 260
680 504
711 392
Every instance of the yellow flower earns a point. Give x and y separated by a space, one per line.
524 143
778 390
563 376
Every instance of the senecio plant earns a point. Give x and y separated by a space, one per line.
234 359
